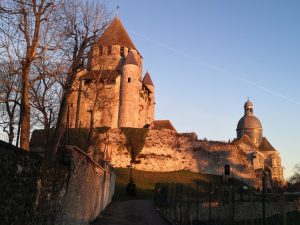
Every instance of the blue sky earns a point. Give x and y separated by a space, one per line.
207 57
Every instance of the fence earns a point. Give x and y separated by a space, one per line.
186 204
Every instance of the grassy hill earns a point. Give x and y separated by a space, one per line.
145 181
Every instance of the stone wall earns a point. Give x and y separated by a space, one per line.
167 150
34 191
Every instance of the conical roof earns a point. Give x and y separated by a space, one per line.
116 34
147 79
130 59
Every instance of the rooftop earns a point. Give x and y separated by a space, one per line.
116 34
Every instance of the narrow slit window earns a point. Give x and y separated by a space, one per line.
122 52
129 79
109 50
101 50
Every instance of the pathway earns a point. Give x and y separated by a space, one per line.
133 212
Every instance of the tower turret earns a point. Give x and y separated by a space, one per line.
147 81
129 94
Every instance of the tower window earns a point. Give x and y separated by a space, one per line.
122 52
100 50
96 51
109 50
87 81
129 79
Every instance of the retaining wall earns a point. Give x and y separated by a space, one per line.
34 191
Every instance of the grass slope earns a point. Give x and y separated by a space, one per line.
145 181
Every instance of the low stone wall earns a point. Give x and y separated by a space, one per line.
90 188
34 191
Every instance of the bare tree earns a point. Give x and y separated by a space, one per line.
45 90
9 96
23 22
84 23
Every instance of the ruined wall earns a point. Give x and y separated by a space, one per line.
34 191
167 150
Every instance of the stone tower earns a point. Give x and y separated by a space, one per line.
250 124
129 96
149 84
112 86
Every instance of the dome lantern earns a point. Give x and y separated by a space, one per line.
248 107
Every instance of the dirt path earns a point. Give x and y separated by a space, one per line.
133 212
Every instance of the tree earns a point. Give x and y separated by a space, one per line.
23 22
83 24
9 95
45 91
294 180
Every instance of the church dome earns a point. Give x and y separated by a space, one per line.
249 125
248 122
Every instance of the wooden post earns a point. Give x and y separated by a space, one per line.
264 198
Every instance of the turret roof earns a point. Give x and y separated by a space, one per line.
116 34
130 59
147 79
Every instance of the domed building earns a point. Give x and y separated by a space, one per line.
262 155
250 125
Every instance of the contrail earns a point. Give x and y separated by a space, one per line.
274 93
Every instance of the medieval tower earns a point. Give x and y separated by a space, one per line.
112 88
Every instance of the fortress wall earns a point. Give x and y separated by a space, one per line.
34 191
167 150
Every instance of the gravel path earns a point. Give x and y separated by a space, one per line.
133 212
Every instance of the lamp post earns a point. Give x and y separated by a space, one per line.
131 187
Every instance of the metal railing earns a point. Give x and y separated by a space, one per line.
186 204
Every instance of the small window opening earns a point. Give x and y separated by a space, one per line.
109 51
122 52
96 51
87 81
129 79
101 50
